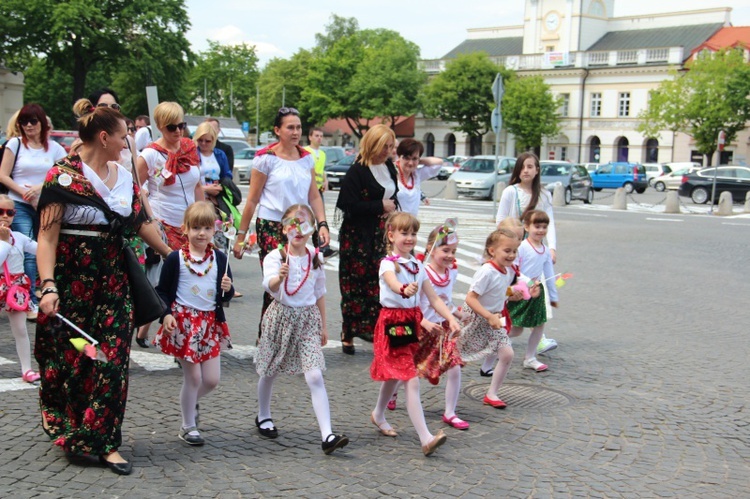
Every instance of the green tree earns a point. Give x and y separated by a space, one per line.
229 74
77 36
530 111
711 96
462 94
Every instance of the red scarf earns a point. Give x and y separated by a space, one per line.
181 161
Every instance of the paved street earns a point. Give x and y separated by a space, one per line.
645 397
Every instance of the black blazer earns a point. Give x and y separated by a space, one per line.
168 280
361 196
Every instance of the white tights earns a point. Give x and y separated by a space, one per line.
21 335
314 379
413 407
452 388
197 381
534 338
504 359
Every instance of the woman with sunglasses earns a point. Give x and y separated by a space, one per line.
87 205
106 97
170 167
24 166
283 174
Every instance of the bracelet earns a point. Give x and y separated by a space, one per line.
49 290
241 232
401 291
323 224
47 280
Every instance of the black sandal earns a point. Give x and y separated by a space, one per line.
348 349
266 432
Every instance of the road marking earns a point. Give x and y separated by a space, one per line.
11 385
4 361
731 223
665 219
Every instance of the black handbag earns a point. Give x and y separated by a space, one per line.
401 333
147 305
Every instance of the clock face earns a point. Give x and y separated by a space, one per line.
552 21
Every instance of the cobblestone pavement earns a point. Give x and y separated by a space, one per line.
646 395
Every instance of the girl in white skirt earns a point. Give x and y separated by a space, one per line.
293 329
487 329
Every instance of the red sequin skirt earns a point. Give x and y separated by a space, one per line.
394 362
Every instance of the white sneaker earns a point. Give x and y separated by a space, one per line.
545 345
534 364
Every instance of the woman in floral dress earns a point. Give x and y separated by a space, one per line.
83 275
368 195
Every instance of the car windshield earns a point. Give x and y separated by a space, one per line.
478 166
346 160
555 170
246 154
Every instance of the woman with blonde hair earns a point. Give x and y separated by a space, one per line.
367 196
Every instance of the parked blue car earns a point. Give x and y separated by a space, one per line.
630 176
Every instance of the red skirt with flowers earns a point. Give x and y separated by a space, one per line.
21 280
437 353
197 338
394 362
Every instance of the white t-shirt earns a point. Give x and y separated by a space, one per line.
194 291
491 285
12 252
119 198
313 288
535 265
32 164
143 137
391 299
409 199
210 169
169 202
287 183
514 201
445 293
383 177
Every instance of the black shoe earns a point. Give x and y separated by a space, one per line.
117 468
348 349
337 442
266 432
142 342
328 252
488 373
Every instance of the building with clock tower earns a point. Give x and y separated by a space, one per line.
602 67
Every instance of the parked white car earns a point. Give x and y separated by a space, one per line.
479 174
672 180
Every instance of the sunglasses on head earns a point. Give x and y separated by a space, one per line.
283 111
115 106
178 126
7 211
30 121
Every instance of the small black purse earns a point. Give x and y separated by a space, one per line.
400 334
147 305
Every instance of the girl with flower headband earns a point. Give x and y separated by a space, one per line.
403 281
294 325
193 284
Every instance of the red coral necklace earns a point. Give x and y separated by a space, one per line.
188 259
304 279
403 180
435 278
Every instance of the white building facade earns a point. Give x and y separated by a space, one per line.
602 66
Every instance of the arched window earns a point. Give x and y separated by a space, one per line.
622 149
450 145
652 151
429 145
595 149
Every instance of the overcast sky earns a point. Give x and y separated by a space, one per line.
278 28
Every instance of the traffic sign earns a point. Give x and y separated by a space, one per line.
498 89
496 120
245 126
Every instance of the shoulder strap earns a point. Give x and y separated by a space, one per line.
6 273
518 203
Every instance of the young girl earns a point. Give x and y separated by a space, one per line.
437 353
534 259
486 331
294 325
13 245
402 280
194 329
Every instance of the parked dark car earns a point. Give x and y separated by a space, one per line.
698 185
574 178
630 176
334 154
335 172
64 137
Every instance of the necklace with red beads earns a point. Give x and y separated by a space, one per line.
413 271
435 279
403 180
304 279
188 259
535 250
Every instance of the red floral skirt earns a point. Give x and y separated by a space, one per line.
437 353
197 338
394 362
18 279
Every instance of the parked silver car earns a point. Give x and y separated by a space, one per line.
479 174
574 178
243 162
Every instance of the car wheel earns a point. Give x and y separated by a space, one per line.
589 197
699 195
598 189
568 195
660 187
628 186
641 190
650 182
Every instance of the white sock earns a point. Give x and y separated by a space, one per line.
414 408
265 389
319 396
21 335
452 389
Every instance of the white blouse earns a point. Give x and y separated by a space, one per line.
169 202
445 293
409 199
287 183
491 285
12 252
197 292
312 289
383 177
514 201
119 198
391 299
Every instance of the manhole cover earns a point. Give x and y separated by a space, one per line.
524 396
